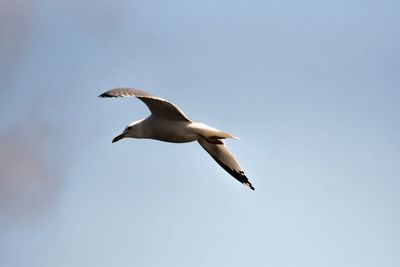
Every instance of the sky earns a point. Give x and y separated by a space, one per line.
312 88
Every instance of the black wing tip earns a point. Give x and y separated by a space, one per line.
246 181
238 175
112 93
108 94
249 185
125 92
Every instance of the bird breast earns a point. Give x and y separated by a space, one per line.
174 132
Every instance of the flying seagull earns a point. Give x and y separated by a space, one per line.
168 123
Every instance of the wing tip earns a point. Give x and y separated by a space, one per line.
246 181
126 92
248 184
108 94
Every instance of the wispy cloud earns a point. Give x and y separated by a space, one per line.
28 182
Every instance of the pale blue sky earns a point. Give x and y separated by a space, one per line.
311 87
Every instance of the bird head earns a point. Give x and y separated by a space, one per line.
133 130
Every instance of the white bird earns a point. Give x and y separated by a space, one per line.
168 123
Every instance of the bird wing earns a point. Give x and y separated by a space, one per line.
221 154
159 107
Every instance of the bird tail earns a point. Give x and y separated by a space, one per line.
217 138
210 132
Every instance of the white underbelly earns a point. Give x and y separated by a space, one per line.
175 132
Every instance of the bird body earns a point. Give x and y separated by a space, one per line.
168 123
162 130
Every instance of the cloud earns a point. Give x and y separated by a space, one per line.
33 161
28 183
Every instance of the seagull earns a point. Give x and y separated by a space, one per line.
168 123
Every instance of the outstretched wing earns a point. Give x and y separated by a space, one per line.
221 154
159 107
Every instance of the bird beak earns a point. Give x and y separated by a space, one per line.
119 137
